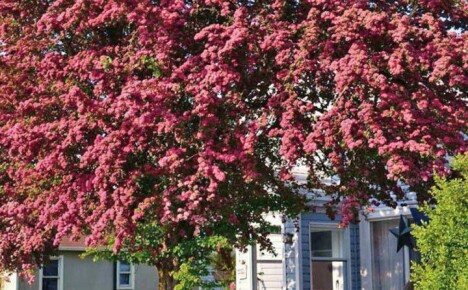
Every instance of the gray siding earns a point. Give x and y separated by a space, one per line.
306 219
85 274
146 278
80 274
23 285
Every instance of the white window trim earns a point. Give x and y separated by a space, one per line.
346 245
60 272
298 258
380 214
132 277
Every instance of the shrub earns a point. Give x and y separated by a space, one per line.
443 242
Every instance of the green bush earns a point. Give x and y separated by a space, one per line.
443 242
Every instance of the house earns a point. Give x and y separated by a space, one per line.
314 253
68 271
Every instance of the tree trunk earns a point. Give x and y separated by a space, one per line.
166 280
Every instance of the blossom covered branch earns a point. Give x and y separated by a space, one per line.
193 114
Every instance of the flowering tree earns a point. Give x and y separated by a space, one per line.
189 116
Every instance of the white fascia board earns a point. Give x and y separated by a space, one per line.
73 249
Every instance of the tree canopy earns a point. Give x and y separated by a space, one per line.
190 116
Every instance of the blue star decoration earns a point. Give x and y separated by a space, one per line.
418 216
403 234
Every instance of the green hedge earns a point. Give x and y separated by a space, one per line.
443 242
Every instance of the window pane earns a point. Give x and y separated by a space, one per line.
51 269
49 284
124 279
328 275
321 244
326 243
388 267
124 267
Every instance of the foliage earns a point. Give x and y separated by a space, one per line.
189 117
188 261
443 242
223 263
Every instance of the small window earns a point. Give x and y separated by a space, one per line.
125 275
51 275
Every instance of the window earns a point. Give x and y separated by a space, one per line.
51 274
328 257
125 275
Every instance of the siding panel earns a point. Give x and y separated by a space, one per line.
270 275
270 267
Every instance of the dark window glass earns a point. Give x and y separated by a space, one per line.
51 269
124 279
124 267
321 243
49 284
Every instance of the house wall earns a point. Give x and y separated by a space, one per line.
86 274
146 277
258 269
270 266
81 274
270 275
24 285
354 253
246 268
10 283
